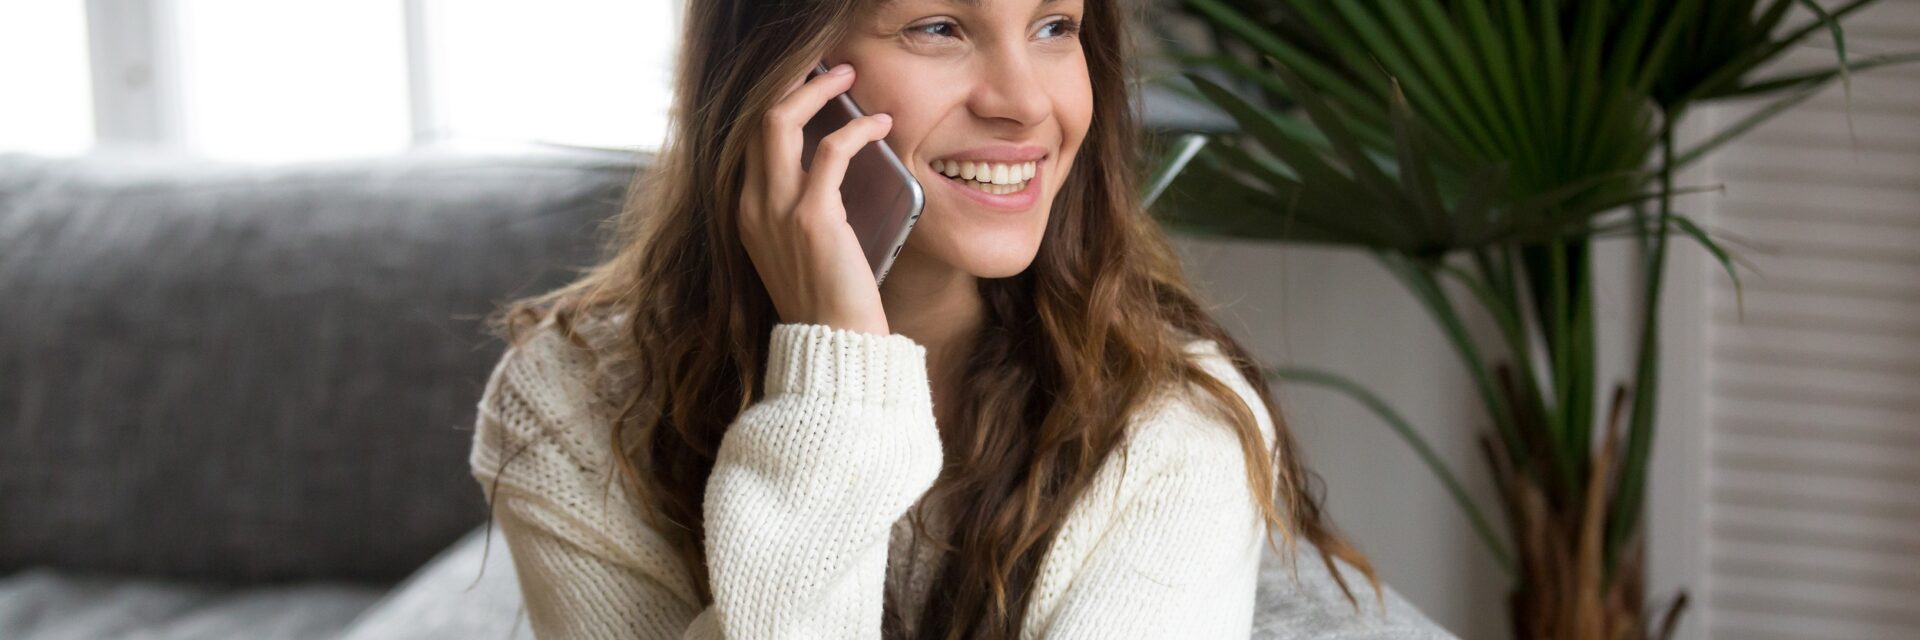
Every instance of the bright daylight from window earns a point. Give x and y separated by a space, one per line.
46 103
272 81
285 81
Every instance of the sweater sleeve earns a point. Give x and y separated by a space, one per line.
1180 559
1181 551
588 563
798 510
809 481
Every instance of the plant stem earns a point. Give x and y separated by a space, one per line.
1561 354
1632 488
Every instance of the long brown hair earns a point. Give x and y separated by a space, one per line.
1069 349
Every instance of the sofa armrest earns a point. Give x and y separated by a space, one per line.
468 592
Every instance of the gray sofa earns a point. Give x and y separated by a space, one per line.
236 401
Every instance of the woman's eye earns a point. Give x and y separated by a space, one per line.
935 29
1064 27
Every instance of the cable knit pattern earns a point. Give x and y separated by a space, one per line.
810 480
805 510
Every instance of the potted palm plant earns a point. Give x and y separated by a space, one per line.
1491 142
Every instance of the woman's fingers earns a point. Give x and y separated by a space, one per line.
753 192
807 256
836 151
783 129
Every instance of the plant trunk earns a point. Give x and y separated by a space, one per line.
1564 590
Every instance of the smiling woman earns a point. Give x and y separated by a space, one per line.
1034 430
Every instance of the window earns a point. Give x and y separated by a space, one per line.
276 81
289 80
48 104
590 72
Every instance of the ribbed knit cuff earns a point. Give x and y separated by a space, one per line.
852 367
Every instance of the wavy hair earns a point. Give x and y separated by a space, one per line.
1068 351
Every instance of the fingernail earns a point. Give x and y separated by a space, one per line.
883 118
841 68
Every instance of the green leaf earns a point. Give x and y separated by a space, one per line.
1267 43
1345 145
1206 199
1283 140
1719 253
1677 23
1839 40
1324 181
1818 77
1415 176
1729 73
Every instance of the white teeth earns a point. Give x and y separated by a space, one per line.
987 172
997 189
991 177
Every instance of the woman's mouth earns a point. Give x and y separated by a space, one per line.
998 178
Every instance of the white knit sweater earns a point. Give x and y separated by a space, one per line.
805 509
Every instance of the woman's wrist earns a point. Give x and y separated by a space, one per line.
850 366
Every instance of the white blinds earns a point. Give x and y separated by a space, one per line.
1813 452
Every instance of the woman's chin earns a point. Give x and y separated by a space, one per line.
987 248
996 261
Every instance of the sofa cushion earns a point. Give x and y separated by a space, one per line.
45 604
258 373
1297 599
468 592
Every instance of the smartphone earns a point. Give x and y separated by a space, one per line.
881 196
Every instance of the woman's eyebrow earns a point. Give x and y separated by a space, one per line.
971 4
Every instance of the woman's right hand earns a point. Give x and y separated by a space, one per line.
793 222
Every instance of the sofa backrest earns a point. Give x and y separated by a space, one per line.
260 373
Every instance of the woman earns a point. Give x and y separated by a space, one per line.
1033 430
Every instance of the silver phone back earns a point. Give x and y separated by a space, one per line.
882 198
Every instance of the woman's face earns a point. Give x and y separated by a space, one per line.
982 87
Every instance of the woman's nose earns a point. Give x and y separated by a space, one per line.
1009 87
